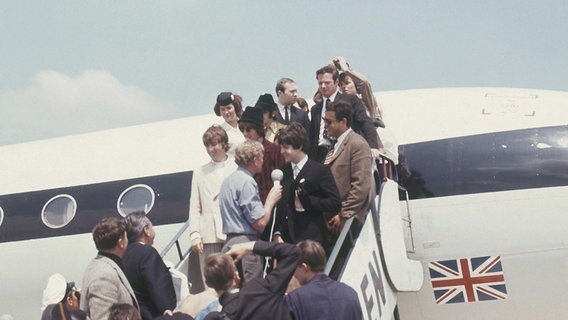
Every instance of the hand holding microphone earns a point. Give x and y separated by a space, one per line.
275 193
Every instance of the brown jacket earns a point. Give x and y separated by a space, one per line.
351 167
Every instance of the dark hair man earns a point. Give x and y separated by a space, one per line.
335 300
350 162
327 78
309 190
145 269
258 298
287 94
104 282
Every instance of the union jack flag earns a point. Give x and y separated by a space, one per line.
468 280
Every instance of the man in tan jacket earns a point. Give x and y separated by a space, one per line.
349 158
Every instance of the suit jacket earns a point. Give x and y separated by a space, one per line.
104 284
150 279
321 196
334 300
351 166
296 115
361 123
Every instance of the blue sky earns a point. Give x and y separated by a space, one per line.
68 67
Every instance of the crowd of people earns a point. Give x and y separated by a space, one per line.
239 217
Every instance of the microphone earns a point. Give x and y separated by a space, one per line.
277 175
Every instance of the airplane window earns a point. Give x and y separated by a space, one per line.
1 216
136 198
59 211
511 160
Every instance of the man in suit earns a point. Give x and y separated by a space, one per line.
328 87
350 161
145 269
309 190
287 94
333 299
104 282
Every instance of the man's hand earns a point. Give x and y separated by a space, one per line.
274 195
336 223
239 250
197 245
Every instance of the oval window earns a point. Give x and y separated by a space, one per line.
59 211
1 216
138 197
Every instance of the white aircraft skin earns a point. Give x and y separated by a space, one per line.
525 227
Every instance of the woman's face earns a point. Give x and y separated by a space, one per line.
228 113
347 86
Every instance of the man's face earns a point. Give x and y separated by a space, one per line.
326 85
216 152
334 128
289 95
249 131
290 154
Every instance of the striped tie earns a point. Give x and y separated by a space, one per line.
330 152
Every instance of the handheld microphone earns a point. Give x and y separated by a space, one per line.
277 175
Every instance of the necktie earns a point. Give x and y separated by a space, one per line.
329 154
286 115
296 171
325 135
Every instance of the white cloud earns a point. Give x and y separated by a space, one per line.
55 104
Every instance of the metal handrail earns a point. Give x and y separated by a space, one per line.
175 241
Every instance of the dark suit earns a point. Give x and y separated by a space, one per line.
321 196
324 298
296 115
150 279
361 123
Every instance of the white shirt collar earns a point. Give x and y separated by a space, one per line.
342 137
301 163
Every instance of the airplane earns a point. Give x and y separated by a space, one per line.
478 180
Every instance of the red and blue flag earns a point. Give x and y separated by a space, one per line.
468 280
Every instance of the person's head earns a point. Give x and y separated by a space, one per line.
293 142
229 106
123 311
216 142
140 228
109 235
337 118
219 271
72 297
303 104
286 91
346 84
327 80
250 155
269 108
251 124
312 261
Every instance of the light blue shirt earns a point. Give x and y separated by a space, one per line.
240 203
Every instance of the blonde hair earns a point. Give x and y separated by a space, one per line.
246 152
